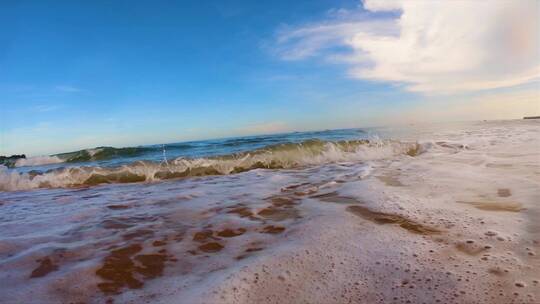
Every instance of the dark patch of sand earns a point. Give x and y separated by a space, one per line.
254 249
273 229
495 206
152 265
211 247
118 207
282 201
231 232
279 214
387 218
241 211
504 192
120 270
45 267
334 197
203 235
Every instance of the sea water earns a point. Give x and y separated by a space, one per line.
425 213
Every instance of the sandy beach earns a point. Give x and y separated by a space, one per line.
438 215
270 152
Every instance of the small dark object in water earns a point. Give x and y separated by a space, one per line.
9 161
531 117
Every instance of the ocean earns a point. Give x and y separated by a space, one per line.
421 213
152 163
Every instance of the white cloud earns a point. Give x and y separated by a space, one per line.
431 46
303 42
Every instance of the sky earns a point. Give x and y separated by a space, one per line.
81 74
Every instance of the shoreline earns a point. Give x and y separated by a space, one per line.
441 226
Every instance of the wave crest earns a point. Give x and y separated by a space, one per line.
281 156
38 161
101 153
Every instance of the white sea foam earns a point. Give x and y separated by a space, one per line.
325 254
285 156
38 161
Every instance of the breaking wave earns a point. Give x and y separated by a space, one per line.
280 156
38 161
102 153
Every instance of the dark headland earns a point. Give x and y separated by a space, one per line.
9 161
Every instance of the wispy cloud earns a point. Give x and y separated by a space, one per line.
429 46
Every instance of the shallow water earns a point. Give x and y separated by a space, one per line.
455 219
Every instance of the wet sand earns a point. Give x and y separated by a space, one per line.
453 222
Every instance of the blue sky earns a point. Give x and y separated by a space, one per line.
79 74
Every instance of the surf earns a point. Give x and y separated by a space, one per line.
276 157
